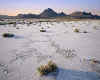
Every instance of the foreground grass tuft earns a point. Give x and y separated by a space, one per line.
76 30
42 30
46 69
8 35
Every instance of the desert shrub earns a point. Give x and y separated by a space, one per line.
46 69
12 23
3 23
17 28
95 61
76 30
9 35
30 22
85 32
42 30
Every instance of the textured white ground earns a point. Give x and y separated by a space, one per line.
22 55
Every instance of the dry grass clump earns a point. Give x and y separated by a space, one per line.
76 30
42 30
8 35
46 69
95 61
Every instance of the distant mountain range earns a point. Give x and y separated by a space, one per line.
47 13
84 15
50 13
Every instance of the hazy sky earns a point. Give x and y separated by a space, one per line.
13 7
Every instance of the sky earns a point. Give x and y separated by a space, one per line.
14 7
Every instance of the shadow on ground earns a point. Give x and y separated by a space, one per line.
65 74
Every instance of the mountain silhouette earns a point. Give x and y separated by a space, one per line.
47 13
79 14
27 16
62 14
50 13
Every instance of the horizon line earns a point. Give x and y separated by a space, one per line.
38 11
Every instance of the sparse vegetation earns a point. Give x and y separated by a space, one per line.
46 69
42 30
3 23
85 32
95 61
76 30
12 23
8 35
67 53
